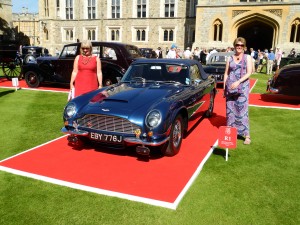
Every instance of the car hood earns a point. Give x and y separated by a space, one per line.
125 99
48 58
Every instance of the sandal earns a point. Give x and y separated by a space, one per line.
247 141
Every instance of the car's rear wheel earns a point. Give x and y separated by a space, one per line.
32 79
210 110
173 146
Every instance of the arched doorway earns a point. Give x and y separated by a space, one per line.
258 34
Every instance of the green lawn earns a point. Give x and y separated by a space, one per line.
257 185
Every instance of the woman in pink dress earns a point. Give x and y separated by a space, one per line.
87 73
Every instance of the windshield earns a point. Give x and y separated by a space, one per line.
134 51
157 72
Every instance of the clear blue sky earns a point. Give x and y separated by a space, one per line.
31 5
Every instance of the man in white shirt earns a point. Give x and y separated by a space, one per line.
187 54
172 52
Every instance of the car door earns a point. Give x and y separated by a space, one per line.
63 66
199 95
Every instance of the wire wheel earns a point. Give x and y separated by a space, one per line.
12 69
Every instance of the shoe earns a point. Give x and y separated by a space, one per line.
247 141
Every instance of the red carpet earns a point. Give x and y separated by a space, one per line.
44 87
162 181
159 181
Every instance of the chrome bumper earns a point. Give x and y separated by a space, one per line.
130 140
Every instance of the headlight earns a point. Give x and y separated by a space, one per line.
153 119
70 110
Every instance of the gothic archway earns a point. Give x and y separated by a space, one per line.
260 31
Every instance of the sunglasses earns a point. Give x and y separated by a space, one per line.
239 45
85 48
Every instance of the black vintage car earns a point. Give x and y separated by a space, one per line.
286 81
216 64
289 60
115 58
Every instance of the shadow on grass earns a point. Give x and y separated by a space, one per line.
220 152
3 93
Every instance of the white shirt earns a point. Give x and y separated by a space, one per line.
171 54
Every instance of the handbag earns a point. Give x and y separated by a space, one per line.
239 89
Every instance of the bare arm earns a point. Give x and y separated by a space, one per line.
226 72
99 72
74 72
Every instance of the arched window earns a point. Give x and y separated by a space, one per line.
218 30
295 31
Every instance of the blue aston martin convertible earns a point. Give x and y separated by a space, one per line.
153 106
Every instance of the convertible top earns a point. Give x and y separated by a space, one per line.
186 62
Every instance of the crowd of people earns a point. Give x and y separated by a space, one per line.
265 61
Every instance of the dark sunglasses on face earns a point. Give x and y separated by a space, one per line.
85 48
239 45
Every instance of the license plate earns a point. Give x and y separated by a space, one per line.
110 138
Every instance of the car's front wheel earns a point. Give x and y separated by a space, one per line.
176 136
32 79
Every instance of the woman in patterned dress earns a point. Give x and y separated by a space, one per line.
87 72
237 72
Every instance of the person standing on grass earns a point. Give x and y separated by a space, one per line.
236 76
271 59
87 73
278 56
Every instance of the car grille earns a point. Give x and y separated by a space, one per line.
107 123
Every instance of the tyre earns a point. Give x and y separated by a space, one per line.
32 79
210 110
172 147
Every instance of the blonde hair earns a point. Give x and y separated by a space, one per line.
86 44
240 39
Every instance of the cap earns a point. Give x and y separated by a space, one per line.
173 46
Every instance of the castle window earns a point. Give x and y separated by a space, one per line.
113 34
169 8
115 8
140 35
57 8
168 35
295 31
91 9
141 8
69 9
46 8
218 30
91 34
68 34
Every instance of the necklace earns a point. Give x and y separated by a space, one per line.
86 60
237 58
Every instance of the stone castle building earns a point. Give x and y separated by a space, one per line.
159 23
